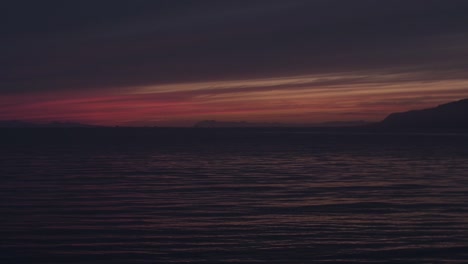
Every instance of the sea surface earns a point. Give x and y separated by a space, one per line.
123 195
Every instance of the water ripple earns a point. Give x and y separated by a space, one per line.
235 199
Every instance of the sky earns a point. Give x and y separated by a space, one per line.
176 62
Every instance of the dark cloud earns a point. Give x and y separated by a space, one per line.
49 45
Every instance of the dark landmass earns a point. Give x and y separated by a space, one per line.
450 116
19 123
215 124
16 123
223 124
342 124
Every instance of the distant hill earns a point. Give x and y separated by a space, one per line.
341 124
16 123
19 123
452 115
214 124
449 116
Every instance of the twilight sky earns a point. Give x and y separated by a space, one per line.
176 62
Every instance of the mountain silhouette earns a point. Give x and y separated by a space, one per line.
16 123
218 124
449 116
19 123
214 124
453 115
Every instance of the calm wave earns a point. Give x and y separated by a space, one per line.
240 196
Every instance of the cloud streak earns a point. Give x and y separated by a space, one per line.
300 99
181 60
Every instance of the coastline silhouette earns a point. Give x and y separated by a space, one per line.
448 116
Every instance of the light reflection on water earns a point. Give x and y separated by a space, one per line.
240 197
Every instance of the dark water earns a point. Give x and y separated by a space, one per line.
242 196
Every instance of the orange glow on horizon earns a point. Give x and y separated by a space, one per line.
303 99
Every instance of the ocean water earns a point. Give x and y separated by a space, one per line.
232 196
